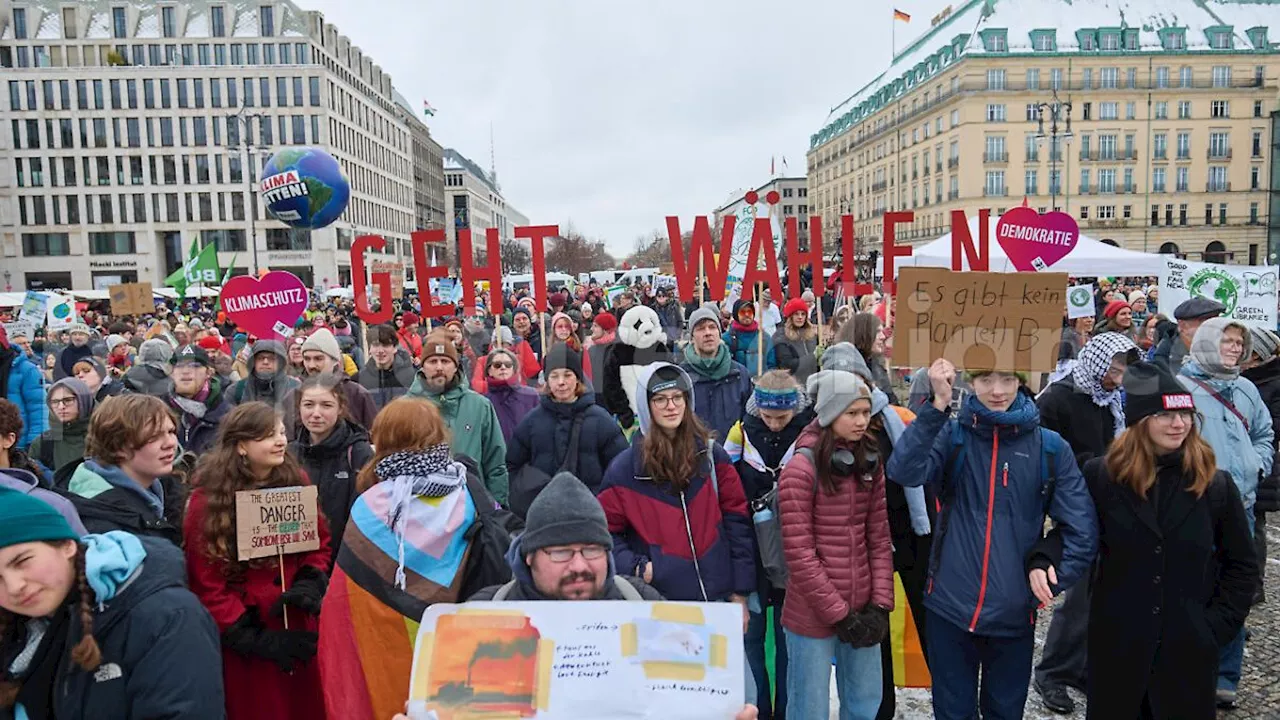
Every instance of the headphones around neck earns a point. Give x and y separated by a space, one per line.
846 462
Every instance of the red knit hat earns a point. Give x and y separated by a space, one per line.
410 318
794 306
210 342
606 321
1114 307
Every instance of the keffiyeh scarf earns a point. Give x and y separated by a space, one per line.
1092 366
427 473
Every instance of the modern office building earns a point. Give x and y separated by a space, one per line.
428 170
126 126
1170 146
474 200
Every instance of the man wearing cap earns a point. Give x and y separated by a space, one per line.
321 355
998 474
197 397
721 386
1190 314
150 374
473 423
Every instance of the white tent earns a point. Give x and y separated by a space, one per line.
1089 258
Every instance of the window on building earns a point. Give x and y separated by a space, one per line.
1162 77
1055 79
111 243
1158 180
1185 76
46 244
266 21
1220 40
1184 179
1219 145
1084 180
1160 146
1108 77
1030 180
1217 179
995 79
1033 79
995 113
1184 109
1220 109
169 21
1162 110
1184 146
118 26
1108 111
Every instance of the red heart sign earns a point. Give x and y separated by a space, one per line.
1034 242
265 307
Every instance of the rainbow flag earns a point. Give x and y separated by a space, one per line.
909 667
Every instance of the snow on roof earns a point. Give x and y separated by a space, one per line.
961 33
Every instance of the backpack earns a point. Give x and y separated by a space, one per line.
488 540
769 529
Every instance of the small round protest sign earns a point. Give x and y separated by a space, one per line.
268 306
1034 242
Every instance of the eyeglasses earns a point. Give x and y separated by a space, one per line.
564 555
62 402
666 401
500 365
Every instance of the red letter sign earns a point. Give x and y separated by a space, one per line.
361 289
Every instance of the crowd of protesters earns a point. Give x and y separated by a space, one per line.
637 448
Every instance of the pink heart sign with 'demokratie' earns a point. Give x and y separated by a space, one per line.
265 307
1034 242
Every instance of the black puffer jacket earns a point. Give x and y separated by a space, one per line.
387 385
1266 377
332 466
1087 427
542 439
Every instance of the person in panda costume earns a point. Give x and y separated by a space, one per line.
641 342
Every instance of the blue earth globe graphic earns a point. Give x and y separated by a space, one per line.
304 187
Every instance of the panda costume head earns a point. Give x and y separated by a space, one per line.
641 342
640 328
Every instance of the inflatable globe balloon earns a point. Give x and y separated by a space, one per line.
304 187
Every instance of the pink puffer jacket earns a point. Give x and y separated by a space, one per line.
838 550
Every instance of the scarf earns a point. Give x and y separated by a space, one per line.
1207 355
428 473
714 368
604 339
194 406
745 328
1092 366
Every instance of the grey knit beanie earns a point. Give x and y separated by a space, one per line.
708 311
155 351
1266 344
845 357
565 513
835 391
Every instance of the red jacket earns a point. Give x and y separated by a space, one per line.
529 368
838 551
256 688
411 341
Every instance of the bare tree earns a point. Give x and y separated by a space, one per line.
574 253
516 256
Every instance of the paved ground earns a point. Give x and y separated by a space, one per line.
1259 688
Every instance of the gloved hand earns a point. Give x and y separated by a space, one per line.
283 647
1268 499
870 626
306 593
848 629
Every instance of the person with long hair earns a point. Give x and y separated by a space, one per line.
98 626
331 448
406 547
512 400
1176 569
566 420
760 445
865 331
673 469
268 630
835 537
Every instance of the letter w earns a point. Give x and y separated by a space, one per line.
701 247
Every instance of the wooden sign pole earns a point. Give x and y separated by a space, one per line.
284 585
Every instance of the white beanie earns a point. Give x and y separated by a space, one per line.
324 341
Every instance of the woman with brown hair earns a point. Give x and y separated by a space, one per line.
1176 567
407 546
268 630
98 626
865 332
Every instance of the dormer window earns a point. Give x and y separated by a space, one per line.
1220 39
1110 41
995 41
1130 39
1043 40
1088 42
1258 38
1176 41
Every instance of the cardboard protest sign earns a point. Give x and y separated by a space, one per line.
131 299
1248 291
979 321
268 306
277 521
20 329
396 271
571 660
34 308
1080 301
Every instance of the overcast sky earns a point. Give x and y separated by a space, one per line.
614 117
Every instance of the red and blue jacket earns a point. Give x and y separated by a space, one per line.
995 485
700 542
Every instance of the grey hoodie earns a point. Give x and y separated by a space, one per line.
24 482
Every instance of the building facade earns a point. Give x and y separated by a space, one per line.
1170 147
428 170
127 128
474 200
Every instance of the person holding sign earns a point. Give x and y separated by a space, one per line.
998 475
98 626
835 536
1176 545
266 608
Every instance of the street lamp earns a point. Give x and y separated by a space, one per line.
1058 110
246 131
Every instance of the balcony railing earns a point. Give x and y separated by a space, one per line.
953 163
1217 186
1219 154
995 157
1033 157
995 192
953 195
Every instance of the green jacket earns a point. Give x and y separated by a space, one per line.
66 440
474 426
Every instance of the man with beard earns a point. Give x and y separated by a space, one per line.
321 354
564 555
267 381
388 373
198 398
75 352
472 421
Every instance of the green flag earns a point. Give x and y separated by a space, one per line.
225 277
201 268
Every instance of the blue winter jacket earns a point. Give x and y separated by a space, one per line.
993 509
26 390
720 404
1242 452
744 346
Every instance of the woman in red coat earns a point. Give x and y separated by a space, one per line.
835 536
269 671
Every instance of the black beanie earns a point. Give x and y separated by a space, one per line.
565 513
1149 389
561 356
